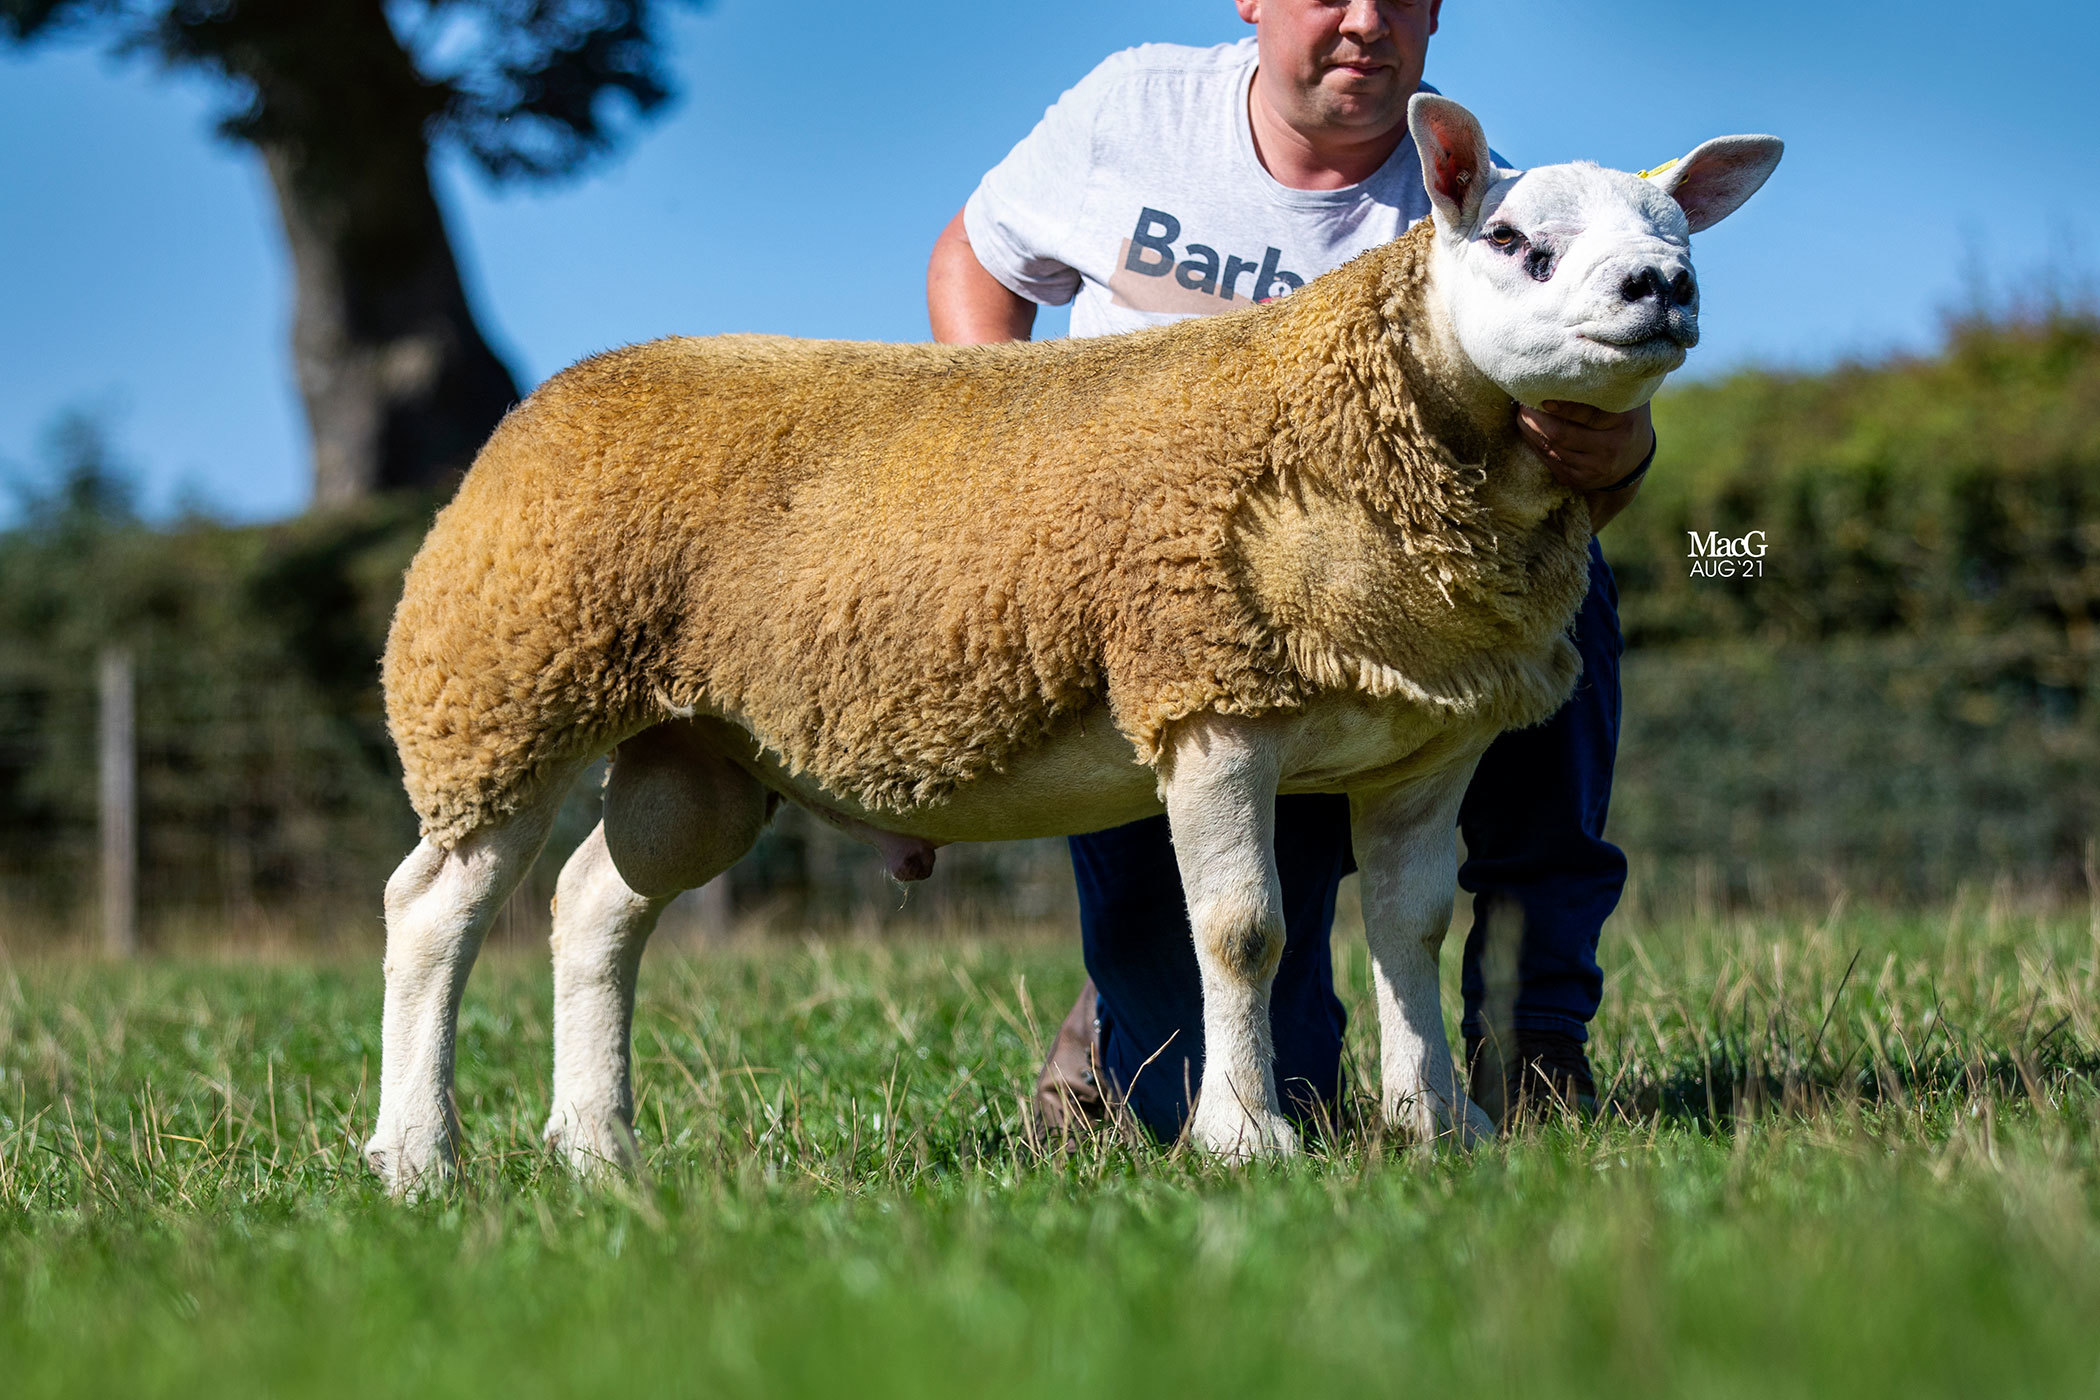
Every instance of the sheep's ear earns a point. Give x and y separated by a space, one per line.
1454 152
1713 181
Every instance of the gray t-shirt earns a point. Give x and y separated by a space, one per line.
1140 194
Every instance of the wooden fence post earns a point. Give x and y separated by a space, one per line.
119 794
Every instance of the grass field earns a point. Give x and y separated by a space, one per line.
1855 1155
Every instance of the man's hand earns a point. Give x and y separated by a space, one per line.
1587 449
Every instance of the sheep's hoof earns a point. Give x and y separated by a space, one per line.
1428 1116
1237 1136
596 1146
413 1165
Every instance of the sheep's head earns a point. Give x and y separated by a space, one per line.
1574 282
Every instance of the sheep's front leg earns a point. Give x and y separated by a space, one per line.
1406 841
1219 777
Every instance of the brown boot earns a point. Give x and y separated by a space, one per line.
1546 1073
1068 1096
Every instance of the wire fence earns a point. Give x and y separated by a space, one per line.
260 807
1748 774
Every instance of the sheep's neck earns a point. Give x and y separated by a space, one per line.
1403 541
1368 404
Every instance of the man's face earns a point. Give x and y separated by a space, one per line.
1342 64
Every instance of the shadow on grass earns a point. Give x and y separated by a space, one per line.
1754 1074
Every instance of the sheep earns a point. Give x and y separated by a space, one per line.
938 594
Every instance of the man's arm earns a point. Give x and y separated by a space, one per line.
966 304
1588 450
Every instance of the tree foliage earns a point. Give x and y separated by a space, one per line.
528 88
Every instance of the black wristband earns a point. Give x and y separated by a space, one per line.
1638 472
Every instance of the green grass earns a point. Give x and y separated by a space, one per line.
1854 1156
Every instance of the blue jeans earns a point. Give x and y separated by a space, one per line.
1533 820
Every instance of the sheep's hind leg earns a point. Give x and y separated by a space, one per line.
1220 782
676 815
439 904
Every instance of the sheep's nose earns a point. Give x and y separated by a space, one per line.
1650 282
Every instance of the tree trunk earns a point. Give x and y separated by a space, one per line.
400 387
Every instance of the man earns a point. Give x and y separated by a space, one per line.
1176 181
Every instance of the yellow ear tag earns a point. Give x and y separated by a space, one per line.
1647 174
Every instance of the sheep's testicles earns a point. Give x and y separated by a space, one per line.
677 813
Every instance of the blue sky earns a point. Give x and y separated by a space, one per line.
800 181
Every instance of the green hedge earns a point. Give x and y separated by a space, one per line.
1907 696
1896 767
265 775
1956 496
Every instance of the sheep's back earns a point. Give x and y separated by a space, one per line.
899 565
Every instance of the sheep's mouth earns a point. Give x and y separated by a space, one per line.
1659 340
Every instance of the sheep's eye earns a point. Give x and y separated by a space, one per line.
1503 236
